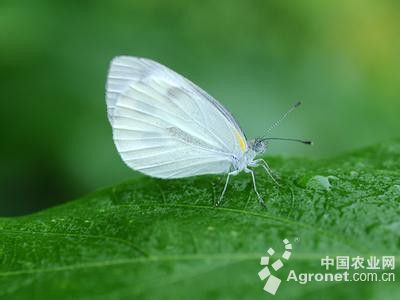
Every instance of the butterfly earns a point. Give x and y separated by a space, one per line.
165 126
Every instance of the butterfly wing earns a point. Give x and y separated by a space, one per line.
164 125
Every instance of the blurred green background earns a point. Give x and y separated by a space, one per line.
341 58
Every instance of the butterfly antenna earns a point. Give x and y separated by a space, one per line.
297 104
307 142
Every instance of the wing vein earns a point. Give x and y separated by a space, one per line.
177 161
222 143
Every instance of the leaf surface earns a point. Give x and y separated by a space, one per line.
164 239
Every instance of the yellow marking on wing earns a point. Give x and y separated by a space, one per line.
242 142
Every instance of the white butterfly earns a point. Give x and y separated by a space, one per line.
165 126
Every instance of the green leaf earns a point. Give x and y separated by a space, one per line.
164 239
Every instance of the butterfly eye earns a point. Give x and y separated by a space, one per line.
259 146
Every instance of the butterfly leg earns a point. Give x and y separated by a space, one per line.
263 163
255 186
233 173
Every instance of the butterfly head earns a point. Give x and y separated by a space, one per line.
258 145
